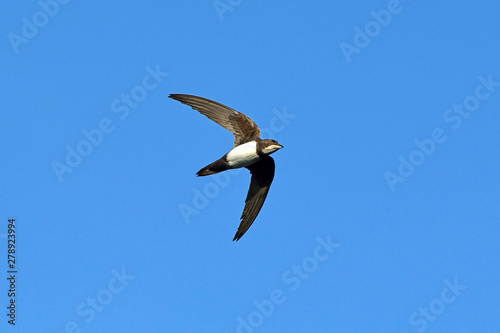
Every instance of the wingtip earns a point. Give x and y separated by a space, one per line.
238 235
177 97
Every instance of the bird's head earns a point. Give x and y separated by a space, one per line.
270 146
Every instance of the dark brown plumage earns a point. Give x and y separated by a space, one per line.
245 131
262 177
243 128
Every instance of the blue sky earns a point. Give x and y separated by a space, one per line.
383 215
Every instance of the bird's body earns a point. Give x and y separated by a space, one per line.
243 155
249 151
239 157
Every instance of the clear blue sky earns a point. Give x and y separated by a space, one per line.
384 212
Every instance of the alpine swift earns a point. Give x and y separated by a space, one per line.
249 151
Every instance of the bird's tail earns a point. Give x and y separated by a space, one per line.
213 168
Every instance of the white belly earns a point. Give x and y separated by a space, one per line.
243 155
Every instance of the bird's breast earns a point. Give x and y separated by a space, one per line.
243 155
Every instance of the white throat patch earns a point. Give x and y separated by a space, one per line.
270 149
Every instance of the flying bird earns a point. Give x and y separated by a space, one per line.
249 151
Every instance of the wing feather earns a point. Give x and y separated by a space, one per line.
243 128
262 177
